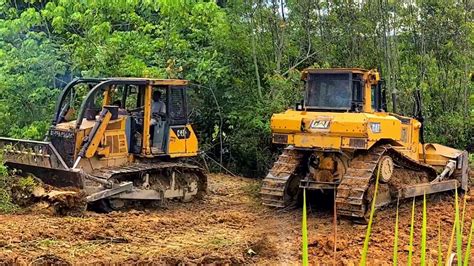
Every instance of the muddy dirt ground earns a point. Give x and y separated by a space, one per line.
228 226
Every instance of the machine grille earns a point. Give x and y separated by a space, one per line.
65 143
117 143
280 138
358 143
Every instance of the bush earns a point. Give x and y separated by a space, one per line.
6 204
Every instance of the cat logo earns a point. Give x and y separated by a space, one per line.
320 124
182 132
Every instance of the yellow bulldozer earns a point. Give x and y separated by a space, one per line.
336 138
119 140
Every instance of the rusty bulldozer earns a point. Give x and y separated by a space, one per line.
118 141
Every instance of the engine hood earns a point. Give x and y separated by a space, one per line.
322 123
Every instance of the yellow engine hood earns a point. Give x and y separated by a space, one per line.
333 130
321 123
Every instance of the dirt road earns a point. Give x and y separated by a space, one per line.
228 226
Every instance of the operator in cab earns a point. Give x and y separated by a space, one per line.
158 106
158 110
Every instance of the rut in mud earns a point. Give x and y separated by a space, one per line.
229 225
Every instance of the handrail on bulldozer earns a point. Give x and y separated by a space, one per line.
120 81
67 89
102 85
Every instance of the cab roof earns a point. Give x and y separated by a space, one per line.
151 81
310 70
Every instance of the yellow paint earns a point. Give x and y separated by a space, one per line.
107 97
192 141
370 77
79 137
182 147
146 121
288 124
103 151
317 141
437 154
114 143
169 82
96 139
306 129
187 154
349 125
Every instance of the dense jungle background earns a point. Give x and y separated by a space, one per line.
243 59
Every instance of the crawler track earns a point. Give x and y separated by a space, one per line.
160 179
275 186
280 186
350 198
136 170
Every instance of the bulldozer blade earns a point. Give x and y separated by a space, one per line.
30 152
41 159
60 178
428 188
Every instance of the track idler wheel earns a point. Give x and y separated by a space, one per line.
386 169
292 191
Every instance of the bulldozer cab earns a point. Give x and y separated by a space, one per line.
149 131
343 90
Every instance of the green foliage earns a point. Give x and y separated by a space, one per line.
3 168
246 59
6 205
27 183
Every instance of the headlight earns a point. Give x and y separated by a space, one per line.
375 127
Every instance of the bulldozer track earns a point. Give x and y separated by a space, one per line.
361 174
275 184
110 172
351 192
157 176
135 172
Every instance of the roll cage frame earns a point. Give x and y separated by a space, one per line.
102 84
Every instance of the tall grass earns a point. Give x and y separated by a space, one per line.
363 259
412 232
467 256
451 243
463 213
423 233
304 231
458 230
